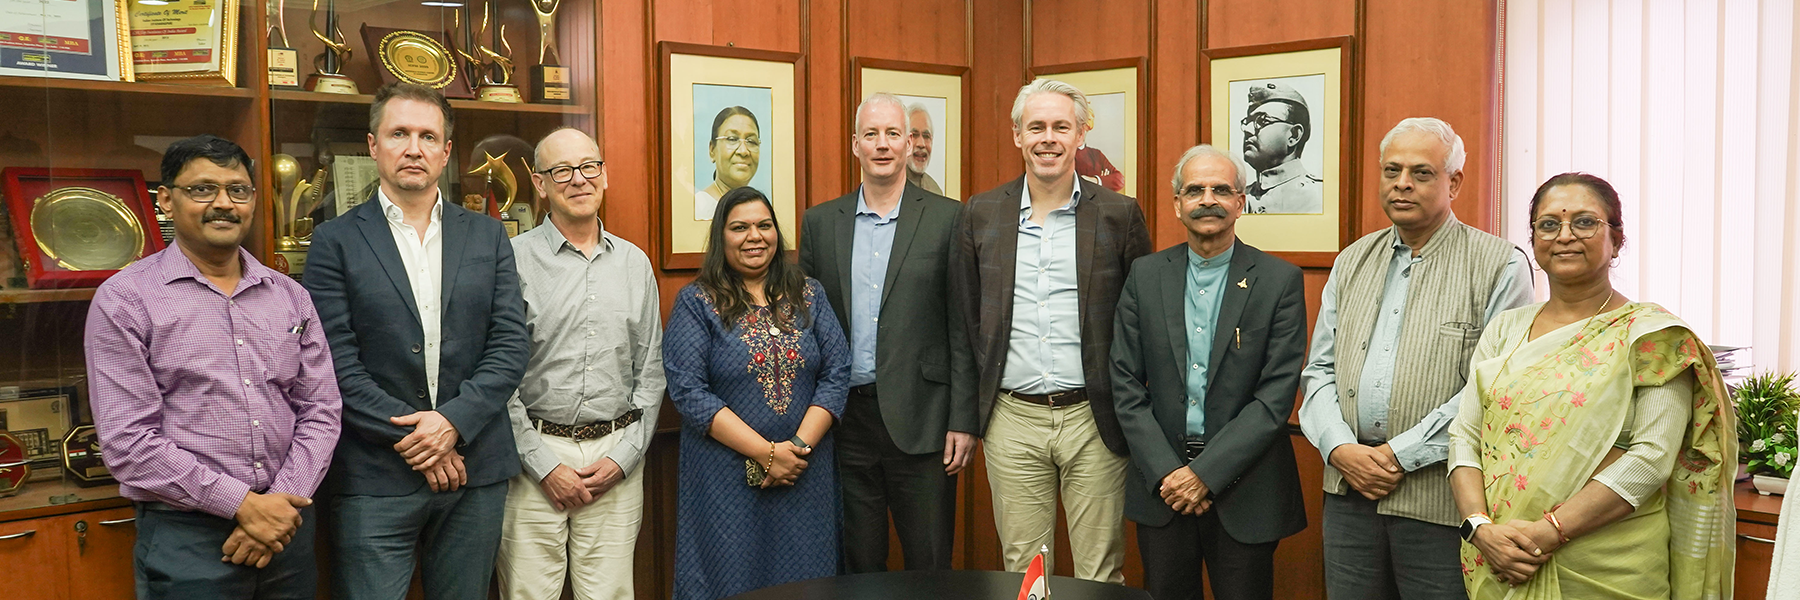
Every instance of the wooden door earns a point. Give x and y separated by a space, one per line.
32 552
101 568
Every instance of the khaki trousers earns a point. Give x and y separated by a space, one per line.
593 544
1033 452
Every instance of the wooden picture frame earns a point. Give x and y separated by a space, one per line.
100 50
942 91
1301 203
703 86
1117 90
185 41
26 186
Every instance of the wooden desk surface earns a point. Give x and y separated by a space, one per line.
1755 507
34 500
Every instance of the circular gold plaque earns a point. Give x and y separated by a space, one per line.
84 229
416 58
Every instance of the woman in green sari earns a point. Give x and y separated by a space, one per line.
1594 450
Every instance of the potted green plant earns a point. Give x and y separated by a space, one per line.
1767 405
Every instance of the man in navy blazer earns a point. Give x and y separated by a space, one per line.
1206 356
421 305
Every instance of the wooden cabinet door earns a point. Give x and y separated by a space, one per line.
101 568
32 554
1755 549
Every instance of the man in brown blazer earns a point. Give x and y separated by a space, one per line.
1039 265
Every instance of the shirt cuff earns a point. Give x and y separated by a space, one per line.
226 495
1413 452
1632 479
626 456
539 462
1332 438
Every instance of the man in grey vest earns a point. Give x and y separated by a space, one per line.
1417 294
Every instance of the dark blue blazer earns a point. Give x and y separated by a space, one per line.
359 285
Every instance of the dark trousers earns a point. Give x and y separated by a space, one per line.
1370 556
375 538
878 479
177 556
1173 555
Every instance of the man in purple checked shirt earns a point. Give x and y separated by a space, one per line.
214 395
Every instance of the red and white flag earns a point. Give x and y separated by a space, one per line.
1036 585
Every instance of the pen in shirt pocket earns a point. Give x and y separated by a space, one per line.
298 329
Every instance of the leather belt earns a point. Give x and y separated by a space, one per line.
1053 399
1373 444
866 391
590 431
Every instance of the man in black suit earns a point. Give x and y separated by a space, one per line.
1206 358
882 253
1038 265
421 305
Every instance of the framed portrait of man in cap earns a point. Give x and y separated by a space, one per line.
1284 109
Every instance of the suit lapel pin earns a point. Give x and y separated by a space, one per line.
1244 283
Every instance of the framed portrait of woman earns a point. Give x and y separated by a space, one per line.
728 121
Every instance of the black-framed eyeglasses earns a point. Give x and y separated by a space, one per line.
565 173
1261 120
1195 191
733 142
1582 226
207 192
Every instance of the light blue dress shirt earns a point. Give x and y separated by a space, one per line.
869 250
1205 288
1044 351
1321 415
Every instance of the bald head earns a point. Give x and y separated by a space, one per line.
571 153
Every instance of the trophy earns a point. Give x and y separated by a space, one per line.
330 63
498 201
284 61
496 80
290 250
549 82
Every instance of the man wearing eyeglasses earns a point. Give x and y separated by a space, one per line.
213 394
1211 335
1398 321
1276 131
586 409
421 303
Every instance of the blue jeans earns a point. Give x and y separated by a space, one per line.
375 538
177 556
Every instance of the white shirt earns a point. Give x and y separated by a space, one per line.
424 261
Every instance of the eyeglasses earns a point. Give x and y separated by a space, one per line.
732 142
1261 120
1583 226
1194 192
565 173
207 192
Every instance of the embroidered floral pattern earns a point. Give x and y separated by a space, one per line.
774 356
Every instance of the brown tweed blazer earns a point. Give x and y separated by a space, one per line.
1109 234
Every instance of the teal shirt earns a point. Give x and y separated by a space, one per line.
1205 288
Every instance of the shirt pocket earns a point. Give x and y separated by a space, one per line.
1462 332
278 351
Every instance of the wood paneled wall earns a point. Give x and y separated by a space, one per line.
1416 59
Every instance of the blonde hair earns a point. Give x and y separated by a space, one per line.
1050 86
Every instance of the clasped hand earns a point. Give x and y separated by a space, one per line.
788 465
431 448
570 488
1516 549
1183 491
1373 472
266 524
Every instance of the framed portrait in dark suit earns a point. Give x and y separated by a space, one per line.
1287 109
729 119
935 98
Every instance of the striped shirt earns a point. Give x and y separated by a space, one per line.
200 397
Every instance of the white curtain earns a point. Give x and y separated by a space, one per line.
1690 109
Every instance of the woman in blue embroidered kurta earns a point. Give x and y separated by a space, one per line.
750 370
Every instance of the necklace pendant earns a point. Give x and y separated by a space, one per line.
774 330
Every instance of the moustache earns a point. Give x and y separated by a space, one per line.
220 215
1210 210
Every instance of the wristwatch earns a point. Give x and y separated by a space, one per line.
799 443
1470 524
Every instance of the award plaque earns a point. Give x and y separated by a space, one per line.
14 469
81 458
76 227
80 39
413 56
549 82
185 41
38 419
284 60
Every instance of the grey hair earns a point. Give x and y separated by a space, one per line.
872 100
1050 86
916 108
1453 162
1237 164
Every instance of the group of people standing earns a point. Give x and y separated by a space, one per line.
469 402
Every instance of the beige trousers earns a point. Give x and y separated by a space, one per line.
1033 452
593 544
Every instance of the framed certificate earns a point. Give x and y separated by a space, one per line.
186 41
76 227
69 39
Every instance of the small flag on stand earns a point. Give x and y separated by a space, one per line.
1036 585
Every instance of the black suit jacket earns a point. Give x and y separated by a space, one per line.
360 287
1109 234
1257 352
922 364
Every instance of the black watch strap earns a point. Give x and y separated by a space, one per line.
799 442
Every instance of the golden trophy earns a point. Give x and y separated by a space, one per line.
284 61
496 79
330 77
549 81
502 187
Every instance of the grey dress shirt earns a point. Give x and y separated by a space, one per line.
596 344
